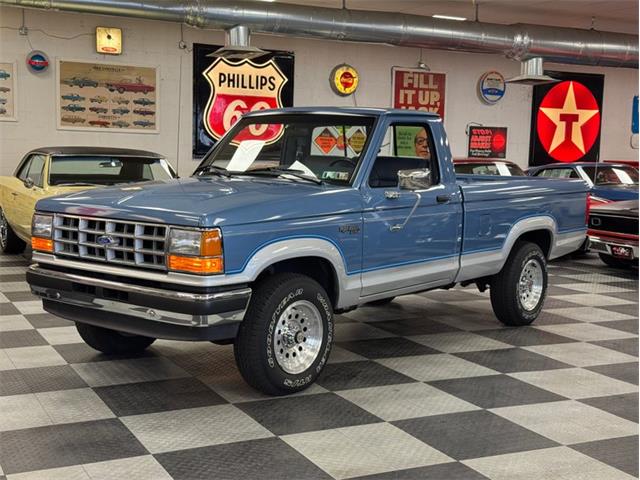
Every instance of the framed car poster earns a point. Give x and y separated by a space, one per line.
8 97
100 96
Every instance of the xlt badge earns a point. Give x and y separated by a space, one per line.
350 229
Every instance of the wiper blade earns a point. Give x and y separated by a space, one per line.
216 170
275 171
79 184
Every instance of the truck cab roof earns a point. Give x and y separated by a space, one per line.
364 111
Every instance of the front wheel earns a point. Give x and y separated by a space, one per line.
285 338
519 289
9 241
112 342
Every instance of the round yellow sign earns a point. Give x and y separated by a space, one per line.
344 80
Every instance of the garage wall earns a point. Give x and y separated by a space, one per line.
156 44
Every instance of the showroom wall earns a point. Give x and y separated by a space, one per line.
156 44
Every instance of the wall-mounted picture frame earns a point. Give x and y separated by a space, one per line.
103 96
8 91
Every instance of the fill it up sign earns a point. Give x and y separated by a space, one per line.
416 89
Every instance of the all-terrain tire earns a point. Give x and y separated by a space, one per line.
278 304
112 342
514 300
9 241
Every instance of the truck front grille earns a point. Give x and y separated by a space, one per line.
613 223
112 241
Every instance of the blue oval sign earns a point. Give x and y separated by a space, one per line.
491 87
37 61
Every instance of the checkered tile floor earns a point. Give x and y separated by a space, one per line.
430 387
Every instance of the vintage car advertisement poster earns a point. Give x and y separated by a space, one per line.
105 96
417 89
225 89
487 142
8 83
565 119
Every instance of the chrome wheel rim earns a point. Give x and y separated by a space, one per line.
298 337
3 230
530 285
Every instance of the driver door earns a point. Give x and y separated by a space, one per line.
411 238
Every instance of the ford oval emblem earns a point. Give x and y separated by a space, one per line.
107 241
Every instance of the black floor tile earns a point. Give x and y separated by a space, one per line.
415 326
41 379
524 336
630 326
306 413
17 277
625 406
621 453
629 309
21 338
149 397
473 434
444 471
627 372
343 376
46 320
8 309
386 347
624 345
269 458
495 391
71 444
20 296
510 360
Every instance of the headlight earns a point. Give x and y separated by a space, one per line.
41 229
195 251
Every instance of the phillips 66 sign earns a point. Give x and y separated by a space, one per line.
226 89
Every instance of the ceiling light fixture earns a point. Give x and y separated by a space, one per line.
450 17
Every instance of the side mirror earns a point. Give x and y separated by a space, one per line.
28 183
415 179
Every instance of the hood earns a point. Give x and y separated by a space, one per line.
207 201
616 192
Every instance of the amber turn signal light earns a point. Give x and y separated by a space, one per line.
198 265
42 244
211 243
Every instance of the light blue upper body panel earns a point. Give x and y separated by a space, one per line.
358 220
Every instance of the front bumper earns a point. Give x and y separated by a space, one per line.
140 310
603 244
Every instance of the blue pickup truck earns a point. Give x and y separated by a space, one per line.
294 216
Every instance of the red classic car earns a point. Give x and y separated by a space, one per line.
122 87
99 123
613 232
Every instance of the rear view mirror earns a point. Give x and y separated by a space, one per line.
113 163
415 179
28 183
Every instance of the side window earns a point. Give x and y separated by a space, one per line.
34 172
22 170
405 147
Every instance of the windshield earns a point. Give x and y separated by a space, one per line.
321 148
106 170
498 168
607 175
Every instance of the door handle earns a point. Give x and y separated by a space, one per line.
15 194
391 195
443 198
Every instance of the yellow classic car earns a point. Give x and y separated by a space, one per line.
45 172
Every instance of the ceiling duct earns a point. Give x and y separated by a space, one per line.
531 73
237 45
519 41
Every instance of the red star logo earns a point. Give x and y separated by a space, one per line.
568 121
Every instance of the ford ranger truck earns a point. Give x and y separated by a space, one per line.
296 215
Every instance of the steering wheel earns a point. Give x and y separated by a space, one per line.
348 161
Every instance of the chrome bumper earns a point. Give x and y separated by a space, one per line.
154 305
604 244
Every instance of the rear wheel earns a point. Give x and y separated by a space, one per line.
519 289
285 339
615 262
9 241
112 342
